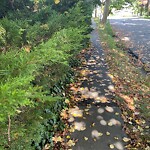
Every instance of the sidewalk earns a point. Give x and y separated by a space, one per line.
96 118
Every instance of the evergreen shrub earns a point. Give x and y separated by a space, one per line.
34 80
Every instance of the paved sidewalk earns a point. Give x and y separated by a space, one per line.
98 124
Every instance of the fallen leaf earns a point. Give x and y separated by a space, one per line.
109 109
72 129
85 138
86 109
68 137
107 133
93 124
100 134
125 139
70 143
67 101
110 124
101 99
111 146
64 114
57 139
116 113
116 138
147 127
46 147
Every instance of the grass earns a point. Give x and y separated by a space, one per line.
132 87
147 17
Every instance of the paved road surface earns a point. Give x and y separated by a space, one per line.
137 32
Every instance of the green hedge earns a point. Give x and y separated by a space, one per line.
36 79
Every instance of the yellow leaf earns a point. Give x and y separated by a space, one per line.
57 139
64 114
147 127
125 139
116 113
102 99
70 143
85 138
100 134
68 137
86 110
93 124
111 146
111 76
57 1
107 133
71 129
87 113
76 114
110 124
67 101
116 138
47 147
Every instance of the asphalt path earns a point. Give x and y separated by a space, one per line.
136 33
96 118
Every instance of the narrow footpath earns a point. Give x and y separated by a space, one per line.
97 119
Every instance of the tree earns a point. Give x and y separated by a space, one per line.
109 4
106 11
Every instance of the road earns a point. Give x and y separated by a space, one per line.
136 33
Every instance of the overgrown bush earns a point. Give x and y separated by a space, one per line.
13 32
35 78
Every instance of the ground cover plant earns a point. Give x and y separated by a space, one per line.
131 89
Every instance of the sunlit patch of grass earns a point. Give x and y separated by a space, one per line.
147 17
130 83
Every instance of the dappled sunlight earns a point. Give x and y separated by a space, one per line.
119 145
101 99
99 117
111 88
96 134
115 122
103 122
80 126
125 39
92 93
109 109
100 110
75 112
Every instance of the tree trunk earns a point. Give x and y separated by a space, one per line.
106 11
96 12
148 8
141 10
